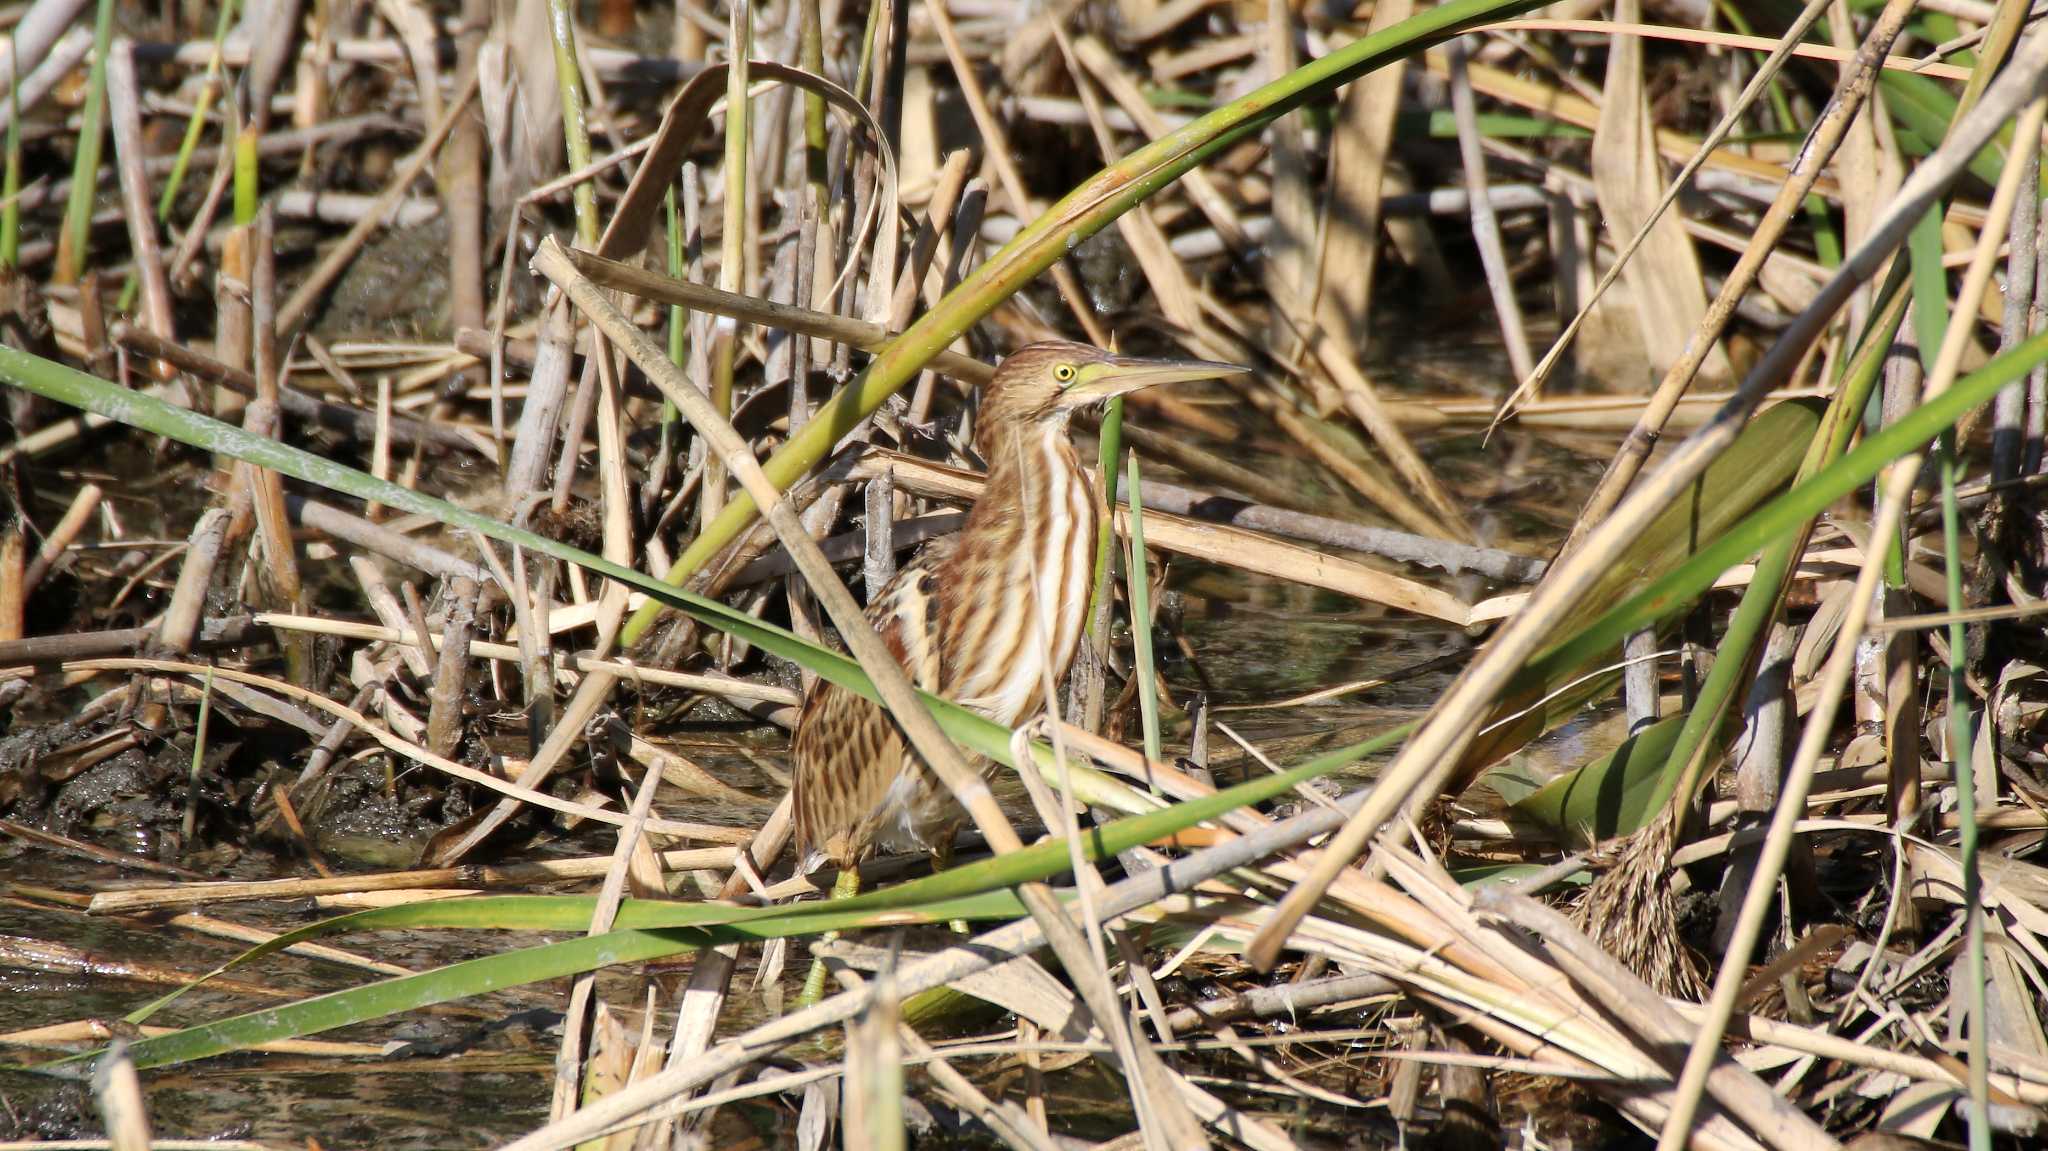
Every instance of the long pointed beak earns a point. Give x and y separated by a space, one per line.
1121 375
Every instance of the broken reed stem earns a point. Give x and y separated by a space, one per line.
451 669
124 102
80 512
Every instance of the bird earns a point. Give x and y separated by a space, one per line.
975 617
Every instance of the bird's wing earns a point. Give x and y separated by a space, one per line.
906 614
847 754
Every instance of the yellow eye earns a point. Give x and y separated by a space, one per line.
1064 373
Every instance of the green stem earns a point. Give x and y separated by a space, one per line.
248 177
1962 738
678 316
575 132
10 184
85 168
1109 446
197 124
1141 617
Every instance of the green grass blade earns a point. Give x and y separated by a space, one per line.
1613 795
197 124
76 236
10 183
507 969
1924 108
575 132
1141 619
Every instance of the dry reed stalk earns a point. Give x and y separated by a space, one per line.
180 621
262 490
118 1092
1750 176
124 108
13 584
451 668
388 608
1291 250
460 180
947 187
83 504
65 845
1665 285
213 928
42 27
1485 227
144 900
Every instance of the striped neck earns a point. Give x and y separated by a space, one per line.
1021 573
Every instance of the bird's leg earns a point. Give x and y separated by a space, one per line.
942 858
846 886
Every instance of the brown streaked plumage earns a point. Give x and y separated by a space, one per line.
963 616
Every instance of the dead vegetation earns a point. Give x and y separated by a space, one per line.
1678 355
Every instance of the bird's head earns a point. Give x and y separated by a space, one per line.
1052 379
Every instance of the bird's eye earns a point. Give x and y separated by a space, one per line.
1064 373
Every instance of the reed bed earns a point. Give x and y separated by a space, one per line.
442 438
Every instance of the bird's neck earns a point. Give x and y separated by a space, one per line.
1015 590
1029 469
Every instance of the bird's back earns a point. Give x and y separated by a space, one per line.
856 784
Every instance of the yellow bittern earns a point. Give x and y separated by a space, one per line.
976 617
